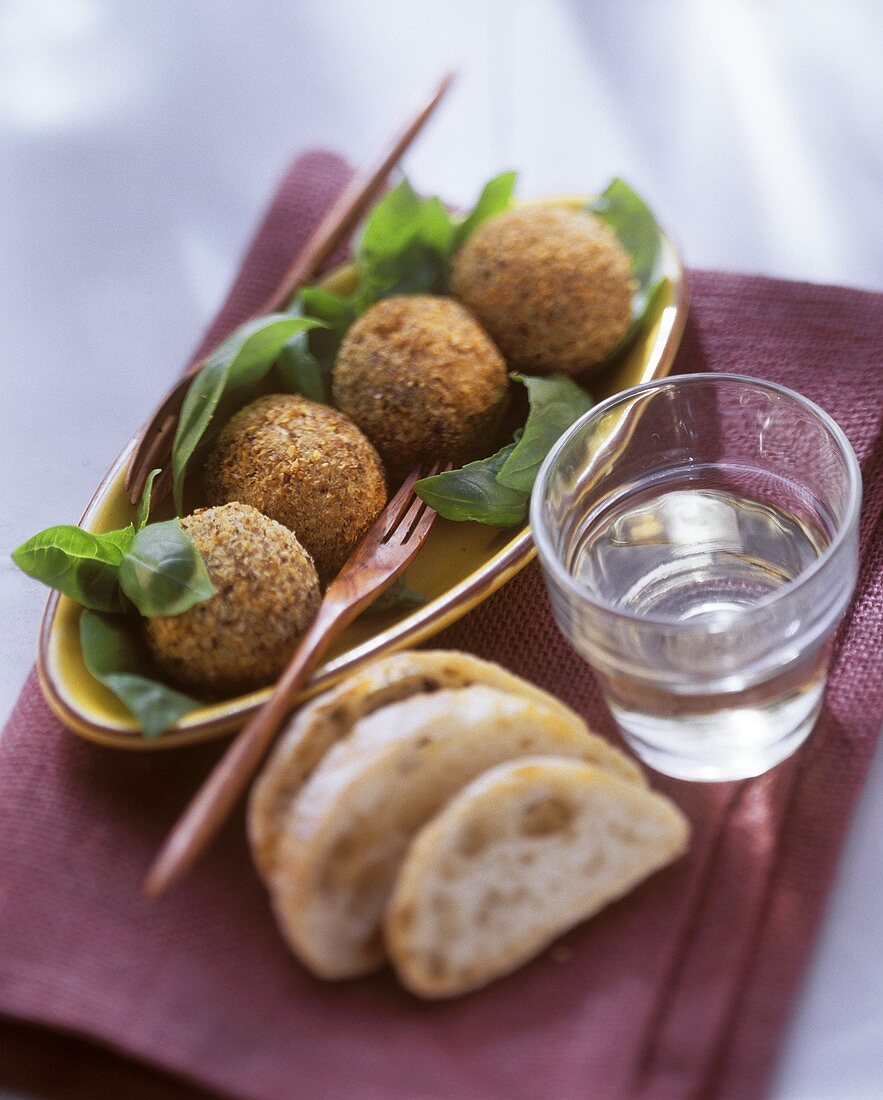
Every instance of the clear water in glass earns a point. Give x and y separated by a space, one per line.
693 550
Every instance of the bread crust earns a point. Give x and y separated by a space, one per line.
332 716
524 852
346 833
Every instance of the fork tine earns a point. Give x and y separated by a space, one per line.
163 485
409 520
423 525
427 517
406 521
400 502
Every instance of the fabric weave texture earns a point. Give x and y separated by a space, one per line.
681 990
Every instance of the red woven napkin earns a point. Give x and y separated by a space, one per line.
680 990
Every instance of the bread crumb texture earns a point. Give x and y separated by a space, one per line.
552 286
305 465
267 594
423 380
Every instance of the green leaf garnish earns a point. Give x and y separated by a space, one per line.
144 503
304 364
155 565
555 403
299 371
113 656
404 247
407 242
473 492
632 220
337 314
496 490
494 198
243 359
81 565
163 573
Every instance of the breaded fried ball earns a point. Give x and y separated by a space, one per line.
305 465
423 381
552 286
267 594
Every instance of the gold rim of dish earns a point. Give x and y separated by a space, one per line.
216 719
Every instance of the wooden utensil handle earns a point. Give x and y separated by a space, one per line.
214 800
212 803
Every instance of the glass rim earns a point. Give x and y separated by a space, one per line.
551 560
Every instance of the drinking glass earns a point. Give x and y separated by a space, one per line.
698 537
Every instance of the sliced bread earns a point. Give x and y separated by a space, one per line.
527 850
332 716
340 845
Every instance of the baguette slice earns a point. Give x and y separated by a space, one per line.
520 855
346 833
332 716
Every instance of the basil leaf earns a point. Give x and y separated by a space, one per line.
243 359
494 198
144 503
496 490
416 270
390 224
473 492
436 228
79 564
304 364
555 403
163 573
298 370
398 595
404 248
156 566
632 220
113 656
336 312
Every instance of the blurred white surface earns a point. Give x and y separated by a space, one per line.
138 144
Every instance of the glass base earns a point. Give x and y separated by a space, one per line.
725 745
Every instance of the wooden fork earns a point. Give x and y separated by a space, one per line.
382 556
154 445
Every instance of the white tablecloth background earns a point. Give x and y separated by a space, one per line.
139 142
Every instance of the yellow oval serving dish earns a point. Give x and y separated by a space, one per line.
461 565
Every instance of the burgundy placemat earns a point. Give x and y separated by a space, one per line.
679 991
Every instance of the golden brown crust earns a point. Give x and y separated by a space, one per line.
551 285
330 718
267 595
305 465
346 832
423 380
530 848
